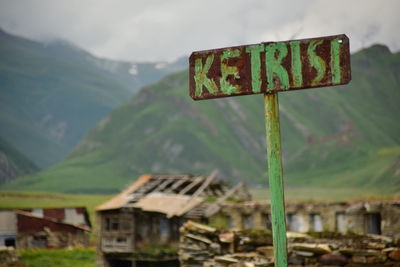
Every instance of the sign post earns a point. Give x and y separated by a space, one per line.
275 175
269 68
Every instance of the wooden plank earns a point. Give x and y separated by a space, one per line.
190 186
149 186
177 184
205 184
163 185
213 208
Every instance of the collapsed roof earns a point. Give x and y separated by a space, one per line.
175 195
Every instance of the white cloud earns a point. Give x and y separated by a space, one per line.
365 22
162 30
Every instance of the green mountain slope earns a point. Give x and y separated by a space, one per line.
341 136
52 94
13 163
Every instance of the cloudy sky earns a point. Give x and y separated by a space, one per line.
149 30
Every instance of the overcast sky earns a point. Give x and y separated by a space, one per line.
152 30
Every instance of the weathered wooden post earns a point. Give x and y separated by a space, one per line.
269 68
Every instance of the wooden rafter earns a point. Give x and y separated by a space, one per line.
164 185
177 184
190 186
206 183
215 206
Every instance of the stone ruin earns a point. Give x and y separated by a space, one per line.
9 257
202 245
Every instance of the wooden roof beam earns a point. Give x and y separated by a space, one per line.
190 186
206 183
177 184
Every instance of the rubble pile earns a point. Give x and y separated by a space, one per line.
9 257
202 245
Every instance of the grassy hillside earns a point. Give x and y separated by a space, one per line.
13 163
342 136
52 94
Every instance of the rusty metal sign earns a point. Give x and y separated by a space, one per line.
269 67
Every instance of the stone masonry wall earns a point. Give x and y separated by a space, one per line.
206 246
9 258
341 216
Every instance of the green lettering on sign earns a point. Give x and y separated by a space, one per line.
274 66
227 70
255 60
297 75
316 62
200 76
335 60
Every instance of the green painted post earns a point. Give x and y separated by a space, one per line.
274 155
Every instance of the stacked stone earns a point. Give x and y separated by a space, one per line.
343 250
207 246
202 245
9 258
197 244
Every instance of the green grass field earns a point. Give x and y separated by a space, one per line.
82 257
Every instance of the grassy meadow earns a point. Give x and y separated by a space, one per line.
82 257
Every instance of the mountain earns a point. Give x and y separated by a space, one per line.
52 94
13 163
341 136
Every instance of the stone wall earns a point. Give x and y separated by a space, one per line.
206 246
9 258
50 239
375 217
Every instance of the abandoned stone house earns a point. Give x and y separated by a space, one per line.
142 222
44 228
361 217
